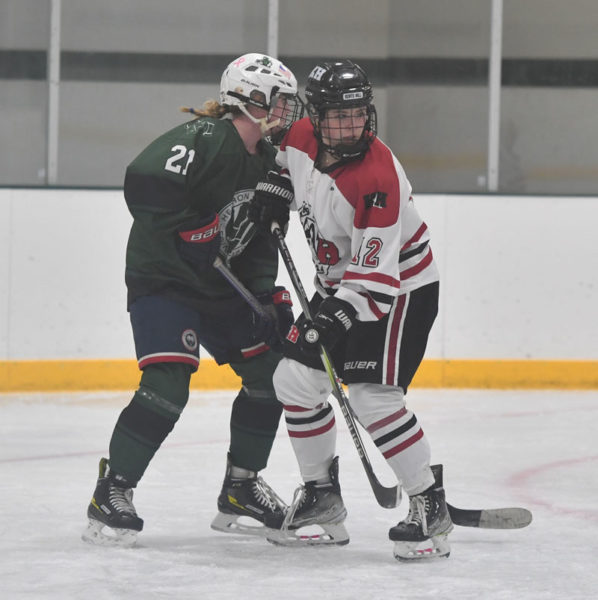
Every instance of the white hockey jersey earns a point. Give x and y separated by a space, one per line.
367 240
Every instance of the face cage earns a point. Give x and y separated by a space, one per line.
288 109
343 151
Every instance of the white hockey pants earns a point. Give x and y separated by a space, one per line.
380 409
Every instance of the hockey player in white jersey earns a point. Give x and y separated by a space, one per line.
376 300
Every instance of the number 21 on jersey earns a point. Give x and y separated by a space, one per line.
182 156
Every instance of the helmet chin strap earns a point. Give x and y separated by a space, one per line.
263 122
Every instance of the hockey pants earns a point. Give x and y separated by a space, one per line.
381 410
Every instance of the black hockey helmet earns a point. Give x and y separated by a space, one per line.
341 84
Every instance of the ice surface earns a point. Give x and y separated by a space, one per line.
533 449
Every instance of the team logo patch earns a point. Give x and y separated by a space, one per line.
375 200
312 336
189 338
264 61
237 229
317 73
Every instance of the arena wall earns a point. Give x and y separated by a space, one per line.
519 292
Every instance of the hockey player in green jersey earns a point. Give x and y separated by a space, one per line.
188 193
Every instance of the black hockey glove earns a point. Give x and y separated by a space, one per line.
271 202
330 325
279 306
199 242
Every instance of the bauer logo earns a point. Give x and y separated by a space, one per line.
363 365
204 235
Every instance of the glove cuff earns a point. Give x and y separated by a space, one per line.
281 295
205 233
340 310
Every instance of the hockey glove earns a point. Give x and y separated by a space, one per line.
271 201
330 325
199 242
279 306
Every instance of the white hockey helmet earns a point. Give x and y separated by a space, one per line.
252 72
260 80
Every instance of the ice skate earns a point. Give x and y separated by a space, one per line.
247 505
112 517
315 506
423 534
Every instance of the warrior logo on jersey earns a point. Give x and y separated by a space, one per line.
375 200
237 229
325 252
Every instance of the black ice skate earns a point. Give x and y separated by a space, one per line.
315 506
251 497
423 533
112 516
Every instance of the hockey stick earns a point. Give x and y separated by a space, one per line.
236 283
388 497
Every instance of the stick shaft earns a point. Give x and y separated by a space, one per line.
236 283
386 497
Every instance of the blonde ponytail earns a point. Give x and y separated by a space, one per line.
210 108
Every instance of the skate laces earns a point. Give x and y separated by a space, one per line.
266 496
419 506
121 499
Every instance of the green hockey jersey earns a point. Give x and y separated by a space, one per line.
196 169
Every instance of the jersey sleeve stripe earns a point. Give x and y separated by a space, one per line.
419 267
375 277
404 256
416 236
374 308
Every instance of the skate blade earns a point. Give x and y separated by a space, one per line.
102 535
436 547
329 535
239 525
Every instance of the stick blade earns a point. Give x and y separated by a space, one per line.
387 497
491 518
